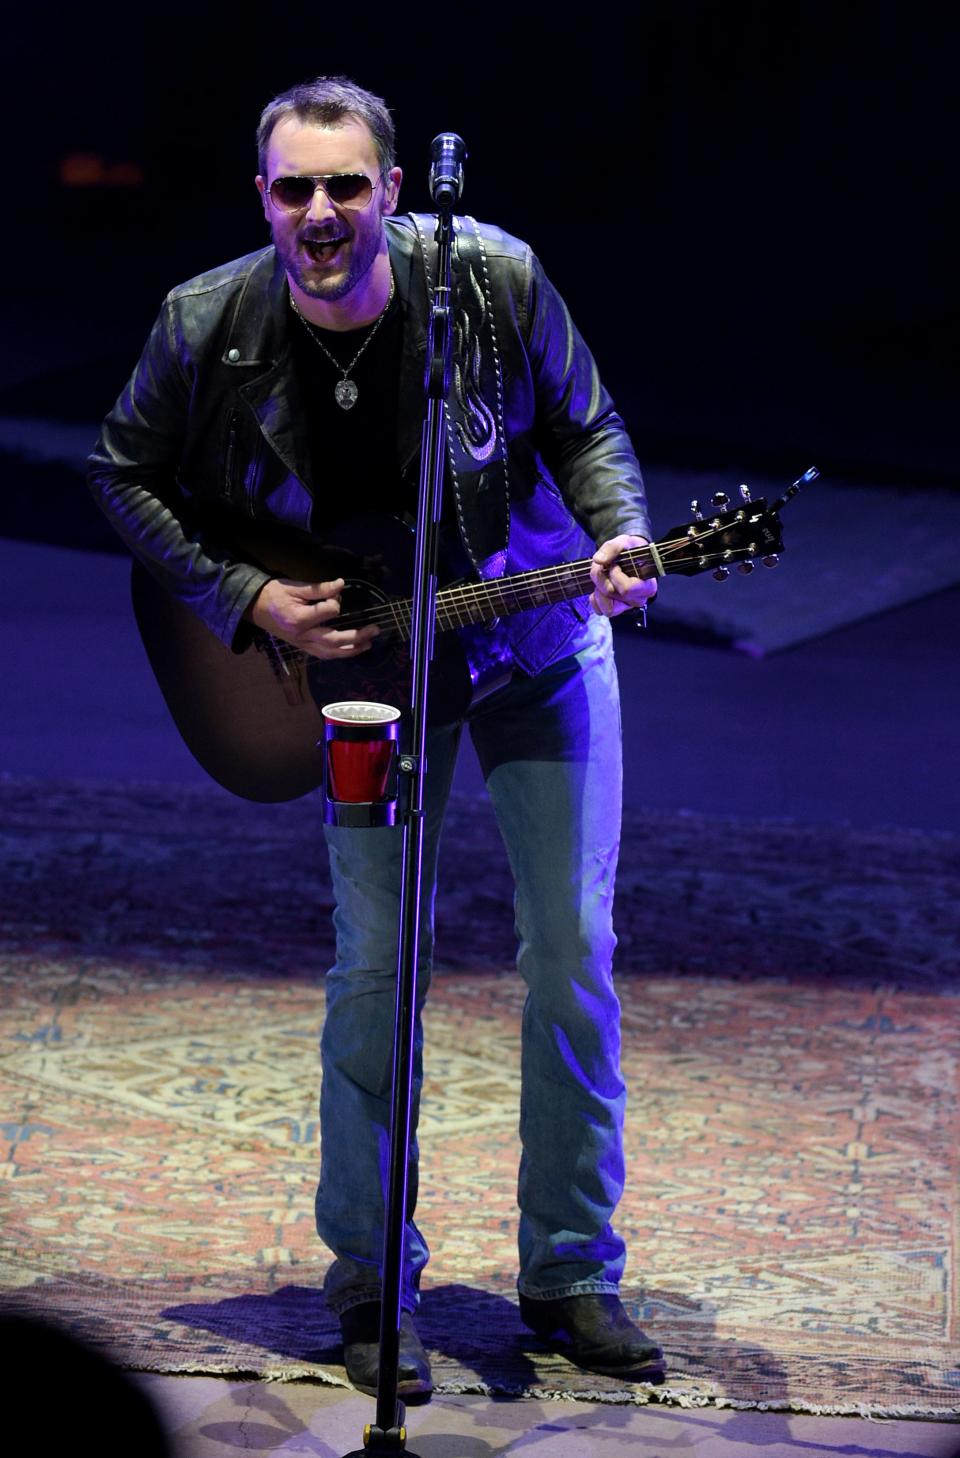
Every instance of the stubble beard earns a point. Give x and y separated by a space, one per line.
317 285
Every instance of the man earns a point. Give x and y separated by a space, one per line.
287 386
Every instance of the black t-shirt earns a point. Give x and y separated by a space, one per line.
353 453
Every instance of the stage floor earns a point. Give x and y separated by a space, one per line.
211 1417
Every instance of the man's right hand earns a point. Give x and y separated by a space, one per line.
305 614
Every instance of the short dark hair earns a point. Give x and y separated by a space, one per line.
328 102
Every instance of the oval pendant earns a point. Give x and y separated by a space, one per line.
346 394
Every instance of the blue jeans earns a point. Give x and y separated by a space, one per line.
549 747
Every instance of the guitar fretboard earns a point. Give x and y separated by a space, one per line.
498 597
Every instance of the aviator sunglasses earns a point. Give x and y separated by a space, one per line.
344 189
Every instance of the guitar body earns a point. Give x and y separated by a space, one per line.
253 719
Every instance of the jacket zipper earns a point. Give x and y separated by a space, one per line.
232 424
240 495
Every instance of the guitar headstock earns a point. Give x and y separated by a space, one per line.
725 536
748 535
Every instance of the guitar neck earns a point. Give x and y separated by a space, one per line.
500 597
741 535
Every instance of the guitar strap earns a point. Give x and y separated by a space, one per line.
476 441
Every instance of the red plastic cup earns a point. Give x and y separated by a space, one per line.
361 740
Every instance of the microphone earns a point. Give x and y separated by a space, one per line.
447 155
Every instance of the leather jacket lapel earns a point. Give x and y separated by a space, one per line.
258 340
412 292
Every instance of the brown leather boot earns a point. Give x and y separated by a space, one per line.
595 1332
360 1329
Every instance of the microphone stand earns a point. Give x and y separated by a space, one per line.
387 1434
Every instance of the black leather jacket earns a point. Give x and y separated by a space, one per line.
213 412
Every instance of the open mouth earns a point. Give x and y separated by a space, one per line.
323 250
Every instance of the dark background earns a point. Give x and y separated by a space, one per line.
745 205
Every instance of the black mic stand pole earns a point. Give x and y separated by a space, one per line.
387 1434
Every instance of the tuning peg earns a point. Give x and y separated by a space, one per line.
695 511
745 493
771 560
745 568
720 500
721 573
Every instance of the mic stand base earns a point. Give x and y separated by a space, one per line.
378 1443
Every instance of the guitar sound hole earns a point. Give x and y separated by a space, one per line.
359 598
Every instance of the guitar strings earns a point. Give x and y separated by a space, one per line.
528 587
396 613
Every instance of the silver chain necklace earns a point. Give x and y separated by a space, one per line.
346 392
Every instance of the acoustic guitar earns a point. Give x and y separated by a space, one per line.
253 719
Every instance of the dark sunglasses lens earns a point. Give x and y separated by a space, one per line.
292 192
349 187
346 189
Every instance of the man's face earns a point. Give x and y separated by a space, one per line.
327 250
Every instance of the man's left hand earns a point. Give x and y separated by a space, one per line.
614 591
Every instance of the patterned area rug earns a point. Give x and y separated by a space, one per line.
790 1041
